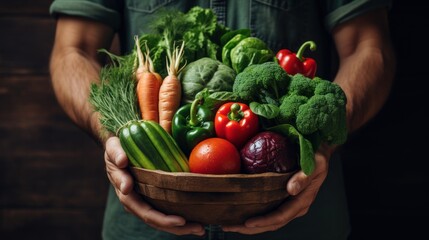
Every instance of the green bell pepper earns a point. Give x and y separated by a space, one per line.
192 123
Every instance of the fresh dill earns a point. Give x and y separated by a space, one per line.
114 96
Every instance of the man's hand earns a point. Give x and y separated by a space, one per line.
303 190
116 167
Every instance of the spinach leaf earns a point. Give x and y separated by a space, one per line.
266 110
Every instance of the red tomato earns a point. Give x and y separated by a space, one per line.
214 156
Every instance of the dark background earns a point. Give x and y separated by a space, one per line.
52 179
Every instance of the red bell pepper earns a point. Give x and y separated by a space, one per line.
295 63
236 123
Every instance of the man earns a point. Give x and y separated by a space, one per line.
355 33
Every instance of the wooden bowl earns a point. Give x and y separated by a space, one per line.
212 199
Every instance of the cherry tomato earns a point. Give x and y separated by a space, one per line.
215 156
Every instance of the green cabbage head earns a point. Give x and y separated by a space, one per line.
205 73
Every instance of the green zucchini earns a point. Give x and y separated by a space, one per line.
135 155
157 139
149 146
172 146
133 161
143 142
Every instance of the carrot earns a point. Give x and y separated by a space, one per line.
148 84
171 89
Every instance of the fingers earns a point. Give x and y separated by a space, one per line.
119 178
250 230
115 153
169 223
190 228
116 162
295 207
116 168
300 180
297 182
303 190
271 221
144 211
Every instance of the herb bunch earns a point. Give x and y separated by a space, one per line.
114 96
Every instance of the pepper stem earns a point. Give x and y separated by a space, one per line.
303 47
235 114
193 113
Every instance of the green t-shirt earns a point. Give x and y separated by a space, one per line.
281 24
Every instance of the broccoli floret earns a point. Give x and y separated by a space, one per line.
289 108
300 85
260 82
315 107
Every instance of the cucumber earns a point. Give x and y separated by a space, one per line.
149 146
143 142
172 146
135 155
157 138
133 161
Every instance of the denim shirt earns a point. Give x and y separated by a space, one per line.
281 24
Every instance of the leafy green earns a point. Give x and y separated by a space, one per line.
249 51
230 44
240 50
205 73
198 28
114 96
229 35
266 110
214 100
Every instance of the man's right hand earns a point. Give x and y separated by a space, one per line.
116 166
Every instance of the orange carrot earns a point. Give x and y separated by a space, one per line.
171 89
148 84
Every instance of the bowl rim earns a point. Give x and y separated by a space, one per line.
182 181
201 175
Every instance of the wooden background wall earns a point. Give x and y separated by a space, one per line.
52 181
53 184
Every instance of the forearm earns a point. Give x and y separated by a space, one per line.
367 66
72 74
75 64
366 77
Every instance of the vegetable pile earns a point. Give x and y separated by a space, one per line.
197 96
